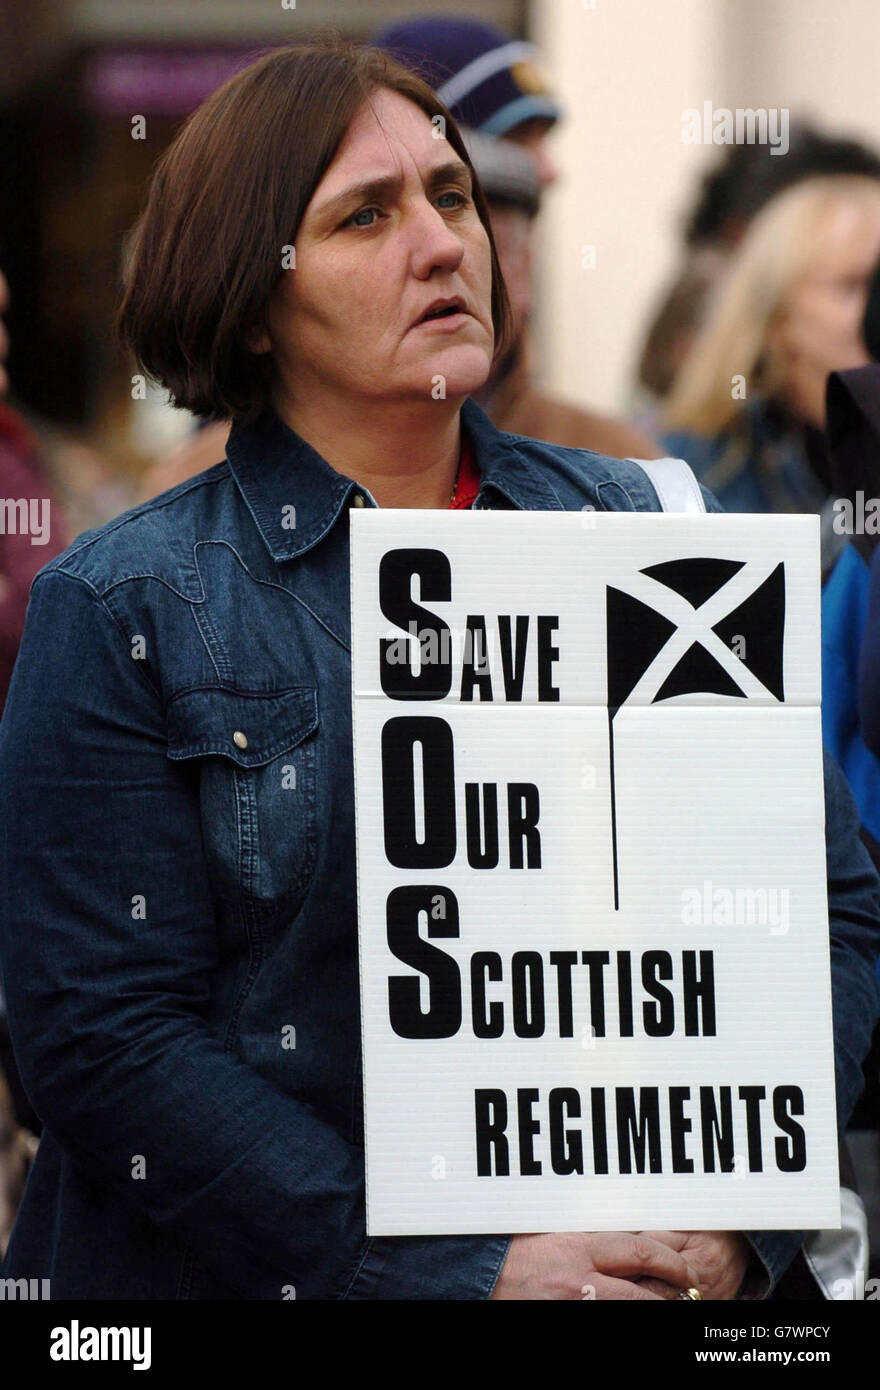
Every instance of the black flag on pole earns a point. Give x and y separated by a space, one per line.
637 634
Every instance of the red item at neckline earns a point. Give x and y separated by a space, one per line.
468 477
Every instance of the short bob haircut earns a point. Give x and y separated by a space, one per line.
226 198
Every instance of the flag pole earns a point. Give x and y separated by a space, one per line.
611 714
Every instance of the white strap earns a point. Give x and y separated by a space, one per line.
839 1259
674 484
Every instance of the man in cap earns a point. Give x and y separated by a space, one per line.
496 89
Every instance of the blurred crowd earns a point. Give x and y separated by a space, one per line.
757 367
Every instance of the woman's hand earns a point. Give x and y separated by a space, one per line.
719 1258
594 1265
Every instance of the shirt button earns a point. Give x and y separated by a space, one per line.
239 739
358 500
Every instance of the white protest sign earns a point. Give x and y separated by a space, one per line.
591 872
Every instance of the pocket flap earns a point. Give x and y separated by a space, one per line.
248 728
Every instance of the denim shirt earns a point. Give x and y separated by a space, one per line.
179 936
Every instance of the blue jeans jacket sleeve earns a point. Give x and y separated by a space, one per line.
845 640
869 664
108 947
853 912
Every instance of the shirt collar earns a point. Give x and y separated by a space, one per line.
295 497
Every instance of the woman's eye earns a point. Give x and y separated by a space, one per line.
367 217
355 219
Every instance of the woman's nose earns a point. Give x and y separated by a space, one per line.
434 243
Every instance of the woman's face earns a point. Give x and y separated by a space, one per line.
819 328
390 230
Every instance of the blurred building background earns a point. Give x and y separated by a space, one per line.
627 69
74 75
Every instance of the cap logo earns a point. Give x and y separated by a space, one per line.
530 79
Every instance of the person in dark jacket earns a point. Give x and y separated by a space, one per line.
31 529
31 532
851 597
851 640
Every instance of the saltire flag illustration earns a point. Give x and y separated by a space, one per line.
638 634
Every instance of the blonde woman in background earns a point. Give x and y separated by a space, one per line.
748 407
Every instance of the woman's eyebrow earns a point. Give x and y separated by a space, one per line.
382 188
455 169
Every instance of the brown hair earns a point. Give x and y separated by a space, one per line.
228 194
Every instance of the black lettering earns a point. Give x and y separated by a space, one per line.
699 990
547 655
397 569
475 673
523 810
600 1129
680 1126
488 1019
715 1130
753 1095
403 909
596 960
527 970
482 830
635 1136
399 737
659 1018
624 994
490 1111
513 666
566 1145
528 1128
787 1101
564 961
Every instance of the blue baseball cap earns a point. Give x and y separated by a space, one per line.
487 80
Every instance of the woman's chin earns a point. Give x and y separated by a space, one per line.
458 370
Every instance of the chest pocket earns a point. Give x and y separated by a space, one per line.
254 756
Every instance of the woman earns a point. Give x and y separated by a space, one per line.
748 407
179 924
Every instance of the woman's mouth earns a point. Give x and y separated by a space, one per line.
447 313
